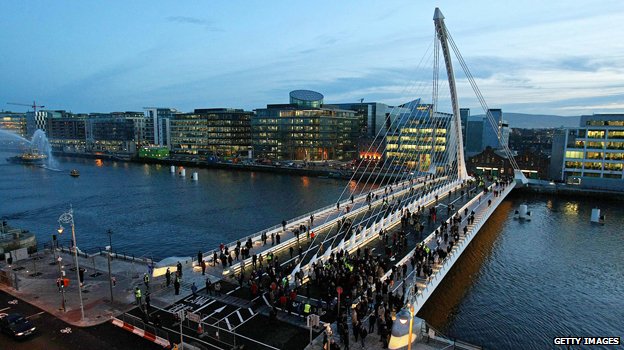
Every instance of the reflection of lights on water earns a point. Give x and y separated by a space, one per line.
306 181
99 163
570 208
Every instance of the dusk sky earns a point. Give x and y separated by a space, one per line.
551 57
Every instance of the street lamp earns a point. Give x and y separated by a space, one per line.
68 218
110 251
402 331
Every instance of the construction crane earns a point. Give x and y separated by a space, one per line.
34 105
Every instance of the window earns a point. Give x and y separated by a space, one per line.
574 154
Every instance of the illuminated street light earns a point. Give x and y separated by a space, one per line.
68 218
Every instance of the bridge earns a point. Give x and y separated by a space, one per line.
419 196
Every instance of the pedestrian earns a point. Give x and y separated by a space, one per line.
168 277
277 238
283 225
363 334
200 256
176 285
203 266
214 258
194 289
146 281
372 319
179 269
272 238
137 295
217 288
208 286
291 251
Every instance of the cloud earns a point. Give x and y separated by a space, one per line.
207 24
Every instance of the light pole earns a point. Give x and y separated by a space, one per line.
110 251
68 218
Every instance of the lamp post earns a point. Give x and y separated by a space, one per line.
68 218
62 282
109 252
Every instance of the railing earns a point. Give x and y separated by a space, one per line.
405 189
139 323
304 218
432 281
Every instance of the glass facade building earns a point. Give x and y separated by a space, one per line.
220 132
591 155
420 138
295 132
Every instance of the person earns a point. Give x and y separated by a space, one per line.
146 280
147 302
168 277
363 334
277 238
179 269
203 267
176 285
208 286
291 251
137 295
217 288
194 289
200 256
214 258
372 319
283 225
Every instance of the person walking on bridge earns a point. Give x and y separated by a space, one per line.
137 295
168 277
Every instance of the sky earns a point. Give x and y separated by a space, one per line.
543 57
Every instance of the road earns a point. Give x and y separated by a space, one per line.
49 336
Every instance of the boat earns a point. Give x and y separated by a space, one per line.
74 173
31 157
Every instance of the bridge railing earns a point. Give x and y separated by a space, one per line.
276 248
304 218
432 281
372 232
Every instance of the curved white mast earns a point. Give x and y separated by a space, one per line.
438 19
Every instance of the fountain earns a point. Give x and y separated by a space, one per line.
39 149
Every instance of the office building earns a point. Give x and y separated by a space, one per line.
420 138
14 123
67 133
591 155
112 132
219 132
305 129
158 126
479 133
